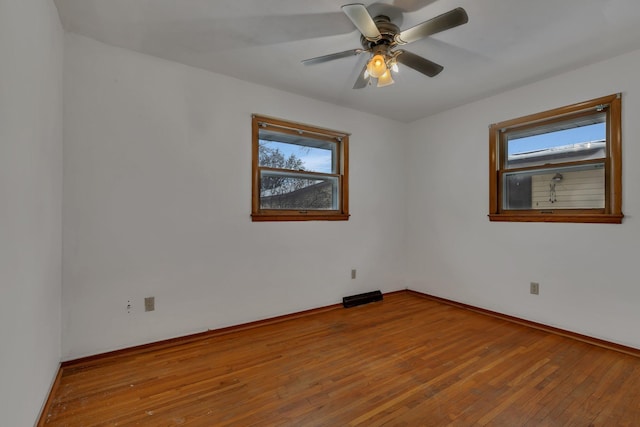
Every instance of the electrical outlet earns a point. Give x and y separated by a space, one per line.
353 273
149 303
534 288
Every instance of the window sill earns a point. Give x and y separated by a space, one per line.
298 217
558 217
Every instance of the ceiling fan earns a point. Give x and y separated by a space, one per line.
380 37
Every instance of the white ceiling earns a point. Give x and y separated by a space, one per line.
506 43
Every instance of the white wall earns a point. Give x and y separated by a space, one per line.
157 202
588 273
31 51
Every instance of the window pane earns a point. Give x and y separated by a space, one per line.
575 187
572 140
296 152
280 190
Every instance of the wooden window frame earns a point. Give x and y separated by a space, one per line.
612 212
341 139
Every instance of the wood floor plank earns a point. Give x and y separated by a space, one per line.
405 361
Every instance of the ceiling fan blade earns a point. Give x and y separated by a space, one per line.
332 56
453 18
359 15
362 81
418 63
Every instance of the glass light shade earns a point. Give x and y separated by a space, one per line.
385 79
376 66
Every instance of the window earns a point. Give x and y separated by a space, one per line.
562 165
300 172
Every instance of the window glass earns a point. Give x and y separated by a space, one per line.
570 187
297 156
283 191
570 140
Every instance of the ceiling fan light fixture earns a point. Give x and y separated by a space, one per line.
385 79
377 66
380 37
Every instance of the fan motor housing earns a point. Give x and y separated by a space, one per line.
387 29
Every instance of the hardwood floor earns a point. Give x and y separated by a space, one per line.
405 361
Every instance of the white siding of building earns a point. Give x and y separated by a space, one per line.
577 190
